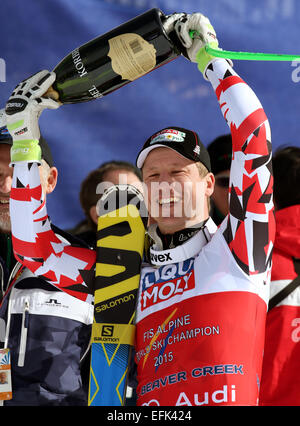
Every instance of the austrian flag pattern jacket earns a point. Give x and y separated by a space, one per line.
202 306
48 333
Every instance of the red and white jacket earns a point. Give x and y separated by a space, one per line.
202 308
280 383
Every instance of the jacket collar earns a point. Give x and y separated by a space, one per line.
184 251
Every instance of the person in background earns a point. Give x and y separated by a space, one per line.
220 152
280 384
107 174
47 354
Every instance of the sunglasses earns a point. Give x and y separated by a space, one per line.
222 181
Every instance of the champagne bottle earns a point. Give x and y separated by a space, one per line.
114 59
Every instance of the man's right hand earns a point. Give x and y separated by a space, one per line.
23 109
203 33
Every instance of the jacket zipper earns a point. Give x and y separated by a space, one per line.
24 329
86 352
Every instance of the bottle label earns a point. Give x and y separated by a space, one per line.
131 56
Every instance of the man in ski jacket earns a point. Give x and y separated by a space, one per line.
203 299
280 374
46 352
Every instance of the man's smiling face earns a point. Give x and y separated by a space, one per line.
177 195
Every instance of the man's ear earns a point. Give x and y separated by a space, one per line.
210 184
51 180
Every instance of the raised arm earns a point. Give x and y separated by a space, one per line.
36 246
249 228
